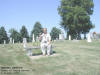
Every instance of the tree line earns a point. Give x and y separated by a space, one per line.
18 36
75 17
75 20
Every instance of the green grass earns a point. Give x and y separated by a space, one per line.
72 58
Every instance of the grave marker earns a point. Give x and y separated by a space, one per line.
69 37
89 38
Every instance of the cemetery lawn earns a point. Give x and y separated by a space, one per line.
69 58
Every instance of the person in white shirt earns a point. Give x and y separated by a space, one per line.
45 39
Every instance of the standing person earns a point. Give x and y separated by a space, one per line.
45 39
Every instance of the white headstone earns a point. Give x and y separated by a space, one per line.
56 38
33 40
13 41
10 40
24 42
4 41
69 37
61 36
89 38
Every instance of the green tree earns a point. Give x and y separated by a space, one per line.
75 15
24 33
14 34
3 35
55 33
37 29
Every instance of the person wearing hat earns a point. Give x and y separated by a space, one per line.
45 39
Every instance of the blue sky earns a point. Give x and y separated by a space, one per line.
15 13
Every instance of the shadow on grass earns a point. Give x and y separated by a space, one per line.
37 54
